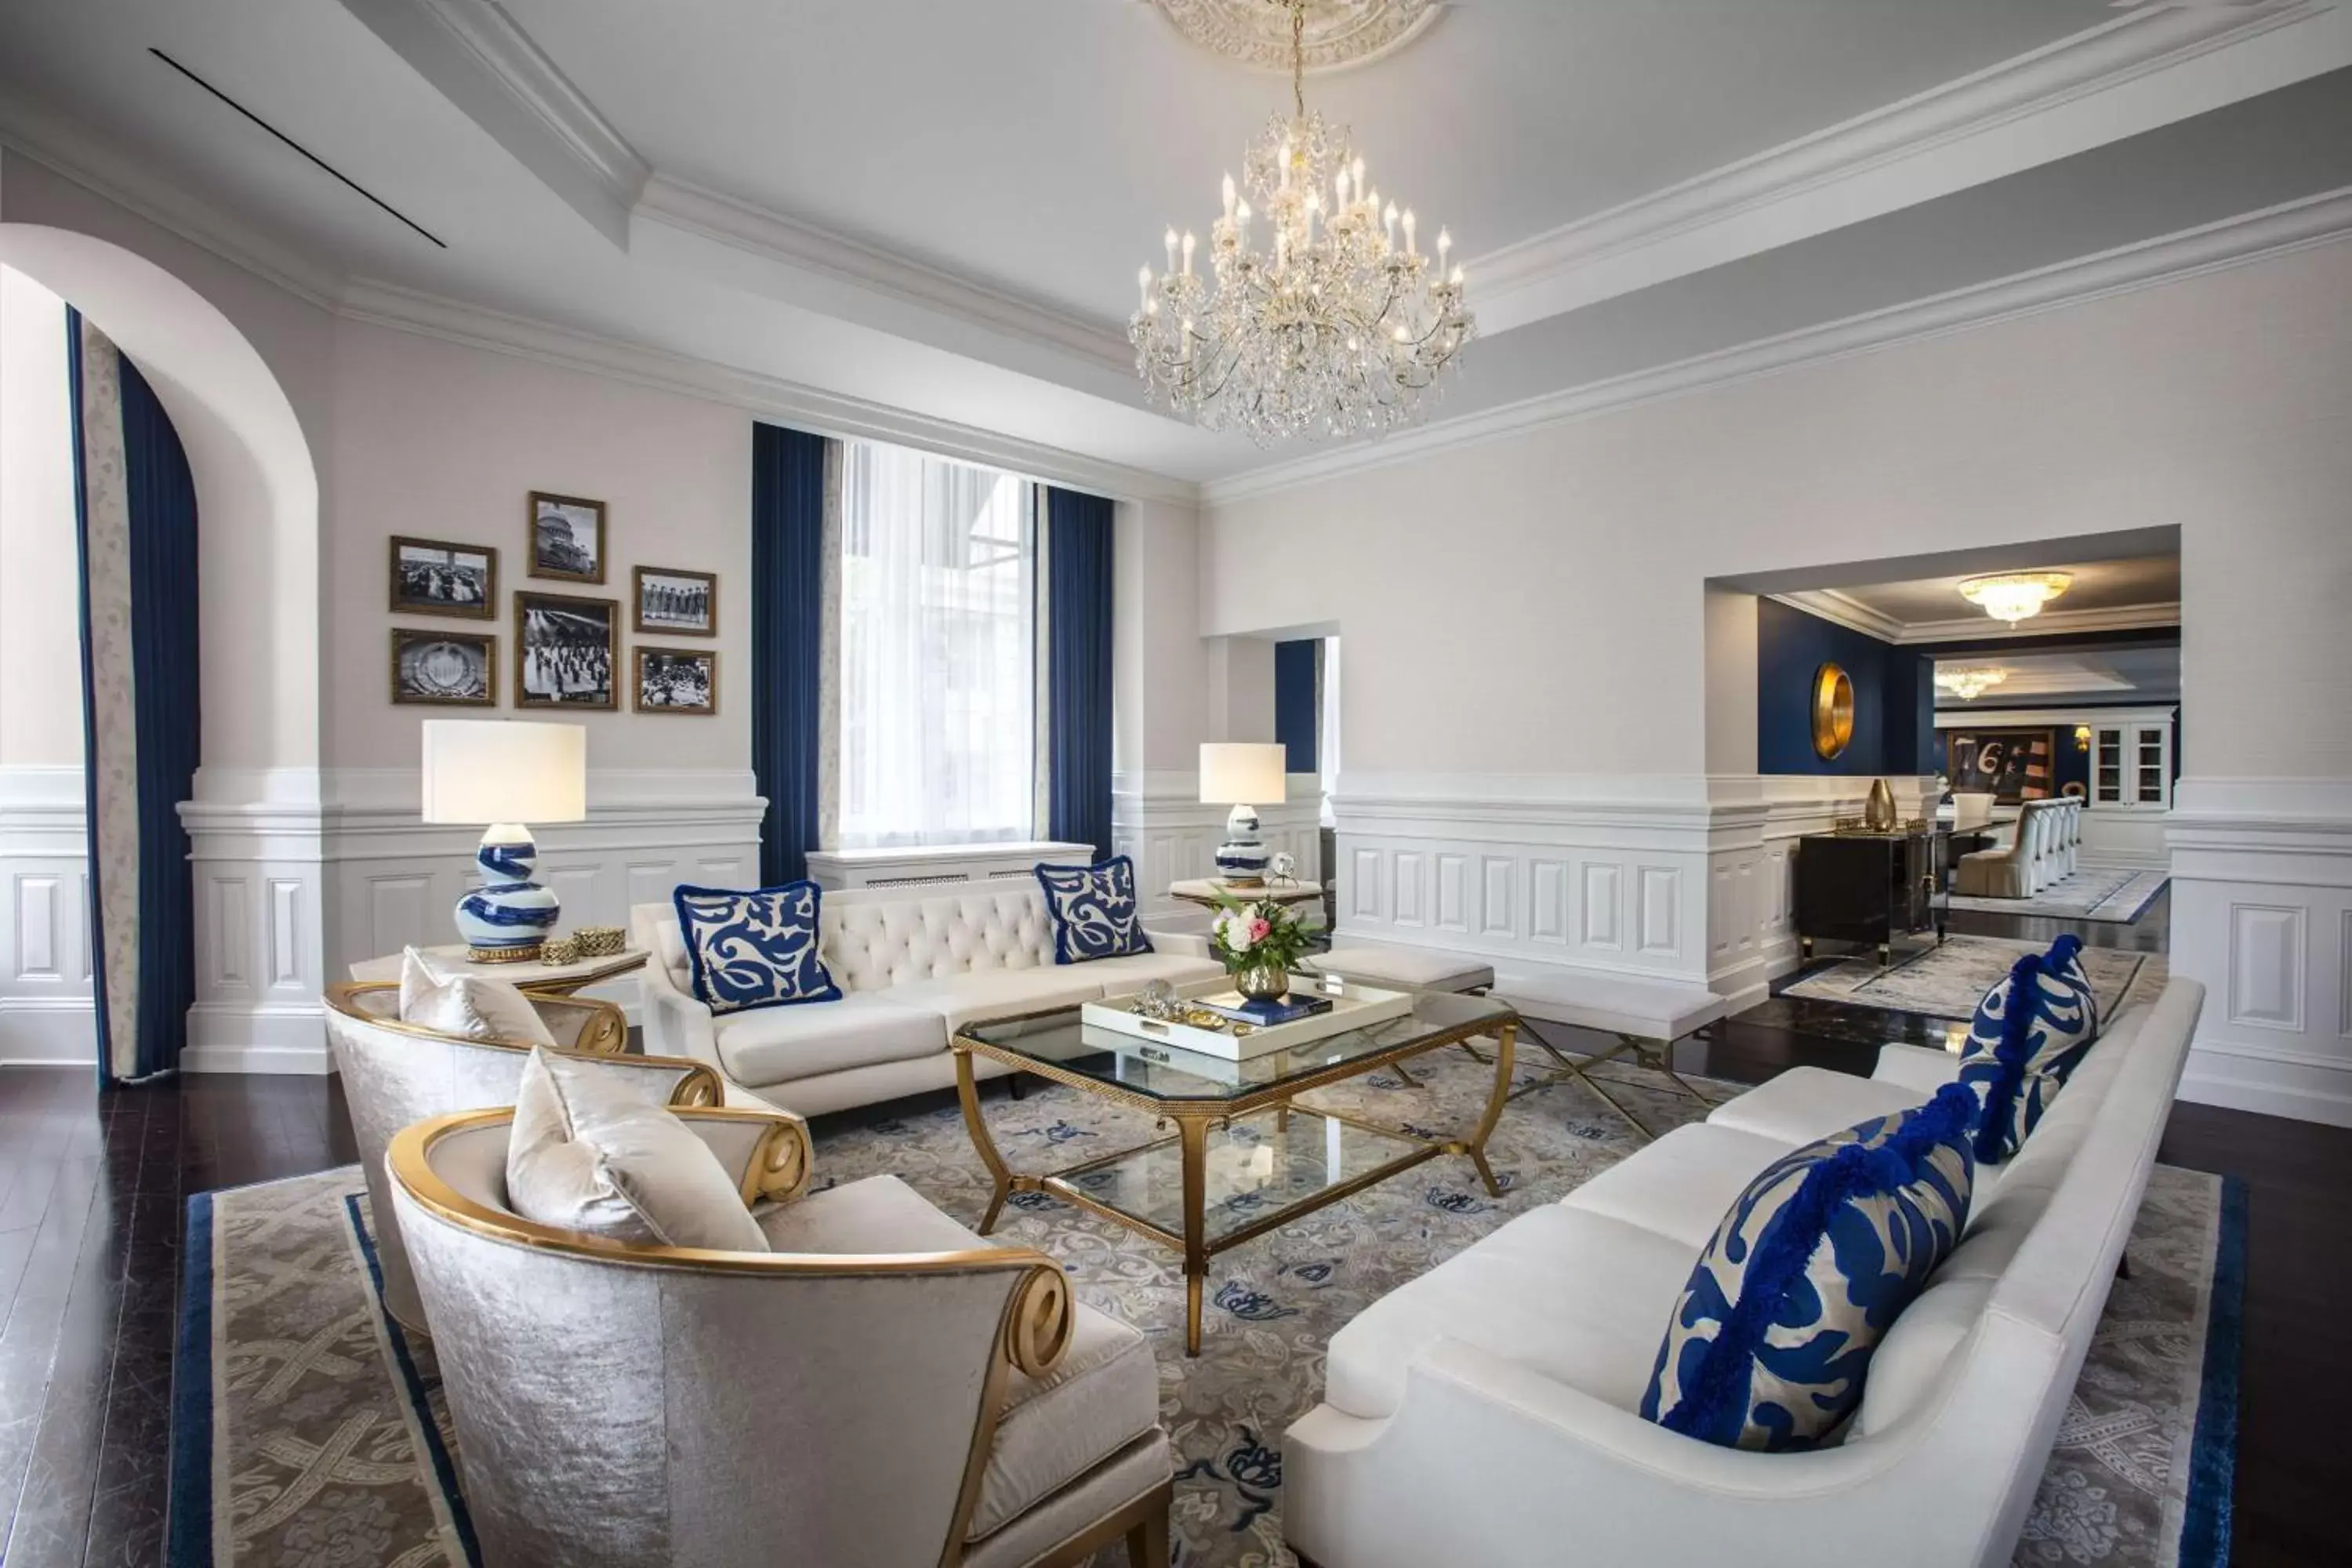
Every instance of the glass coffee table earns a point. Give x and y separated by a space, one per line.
1212 1184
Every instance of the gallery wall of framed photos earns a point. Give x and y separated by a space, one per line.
520 540
567 649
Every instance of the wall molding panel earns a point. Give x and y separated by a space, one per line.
46 1017
1681 878
2261 915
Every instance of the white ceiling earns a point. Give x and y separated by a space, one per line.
2149 580
936 206
2102 675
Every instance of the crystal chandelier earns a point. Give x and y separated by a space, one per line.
1333 330
1968 685
2014 596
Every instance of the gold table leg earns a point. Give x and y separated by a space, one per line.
1192 1137
1497 1098
968 1096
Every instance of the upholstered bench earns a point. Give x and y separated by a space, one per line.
1647 1016
1424 968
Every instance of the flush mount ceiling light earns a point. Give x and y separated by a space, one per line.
2014 596
1968 685
1335 328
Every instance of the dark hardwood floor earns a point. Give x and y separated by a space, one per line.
93 1192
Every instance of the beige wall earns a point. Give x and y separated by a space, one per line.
441 441
40 617
1537 605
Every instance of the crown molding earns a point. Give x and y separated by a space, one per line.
1920 148
475 54
1840 609
66 150
805 407
772 236
2232 242
1982 628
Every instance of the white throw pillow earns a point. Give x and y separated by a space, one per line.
470 1006
586 1156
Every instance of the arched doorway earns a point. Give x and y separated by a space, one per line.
256 487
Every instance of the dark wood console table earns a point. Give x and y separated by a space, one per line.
1868 888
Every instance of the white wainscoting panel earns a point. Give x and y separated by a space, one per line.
46 1017
2261 915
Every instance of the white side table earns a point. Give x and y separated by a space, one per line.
562 978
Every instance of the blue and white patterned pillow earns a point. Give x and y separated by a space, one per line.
1094 910
2030 1031
1771 1338
756 949
2065 959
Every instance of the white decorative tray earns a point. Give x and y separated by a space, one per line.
1353 1006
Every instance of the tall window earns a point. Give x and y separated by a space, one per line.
937 675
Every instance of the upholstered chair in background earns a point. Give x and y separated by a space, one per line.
395 1073
1972 809
883 1388
2010 870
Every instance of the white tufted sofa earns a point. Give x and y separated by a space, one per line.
914 964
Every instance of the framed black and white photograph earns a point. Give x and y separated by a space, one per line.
678 680
454 669
564 650
434 577
567 538
676 604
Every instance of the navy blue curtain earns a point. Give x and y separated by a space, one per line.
1297 706
166 732
787 642
1078 674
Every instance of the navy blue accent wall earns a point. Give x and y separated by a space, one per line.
1894 698
787 642
2073 762
1296 710
1078 668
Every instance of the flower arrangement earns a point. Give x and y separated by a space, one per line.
1259 943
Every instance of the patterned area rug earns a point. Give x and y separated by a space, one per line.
308 1429
2108 893
1948 980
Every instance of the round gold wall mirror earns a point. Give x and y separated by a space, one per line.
1833 710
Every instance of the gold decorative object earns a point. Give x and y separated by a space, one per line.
504 954
1833 712
1878 812
559 949
600 941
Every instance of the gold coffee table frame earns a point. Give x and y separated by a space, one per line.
1193 1121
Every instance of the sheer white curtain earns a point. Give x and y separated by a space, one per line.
937 678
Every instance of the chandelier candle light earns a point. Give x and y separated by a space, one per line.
1337 328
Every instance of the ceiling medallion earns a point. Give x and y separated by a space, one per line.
2014 596
1335 332
1337 33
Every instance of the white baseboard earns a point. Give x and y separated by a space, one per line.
280 1039
2270 1082
46 1031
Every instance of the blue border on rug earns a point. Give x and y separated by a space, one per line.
444 1464
2213 1448
188 1502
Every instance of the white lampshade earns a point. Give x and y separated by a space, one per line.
1244 773
490 771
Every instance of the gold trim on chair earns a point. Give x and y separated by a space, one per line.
699 1086
781 1162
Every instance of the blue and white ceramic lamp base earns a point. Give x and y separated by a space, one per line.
1241 858
506 918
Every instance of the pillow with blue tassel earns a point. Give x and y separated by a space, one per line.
2029 1032
754 949
1771 1338
1094 910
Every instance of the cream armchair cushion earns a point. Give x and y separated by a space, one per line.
470 1006
590 1157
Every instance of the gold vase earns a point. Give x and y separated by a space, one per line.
1262 982
1878 815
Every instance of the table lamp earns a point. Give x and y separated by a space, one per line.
501 772
1240 774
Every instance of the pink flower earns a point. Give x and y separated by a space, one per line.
1258 930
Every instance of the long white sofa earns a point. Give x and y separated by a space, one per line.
1485 1412
914 964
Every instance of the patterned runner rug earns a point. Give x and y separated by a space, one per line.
2109 893
308 1428
1948 980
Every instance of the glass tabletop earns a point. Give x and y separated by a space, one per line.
1162 1072
1252 1169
